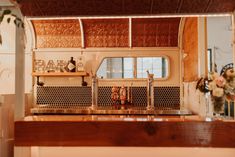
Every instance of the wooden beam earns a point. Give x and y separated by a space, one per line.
125 133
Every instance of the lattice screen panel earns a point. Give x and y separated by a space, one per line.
167 98
63 97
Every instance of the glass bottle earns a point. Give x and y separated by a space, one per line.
71 65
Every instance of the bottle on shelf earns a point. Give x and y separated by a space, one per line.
71 66
80 63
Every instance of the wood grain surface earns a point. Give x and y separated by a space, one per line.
125 133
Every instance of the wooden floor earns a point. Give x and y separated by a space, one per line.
98 130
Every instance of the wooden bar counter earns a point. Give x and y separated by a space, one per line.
111 130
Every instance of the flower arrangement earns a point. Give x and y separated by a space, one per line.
220 86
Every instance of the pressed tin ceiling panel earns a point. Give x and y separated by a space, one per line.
155 32
57 33
146 32
123 7
106 32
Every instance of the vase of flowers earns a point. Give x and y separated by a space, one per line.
221 88
218 104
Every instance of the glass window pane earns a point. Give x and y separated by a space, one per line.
116 68
128 68
156 65
112 68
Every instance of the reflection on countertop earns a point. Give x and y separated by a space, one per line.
127 118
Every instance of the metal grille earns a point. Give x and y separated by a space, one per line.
63 97
139 96
167 98
104 96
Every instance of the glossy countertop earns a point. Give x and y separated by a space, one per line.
127 118
124 130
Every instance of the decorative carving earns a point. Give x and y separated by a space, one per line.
57 33
58 41
106 32
155 32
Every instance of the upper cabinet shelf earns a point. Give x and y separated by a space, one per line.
61 74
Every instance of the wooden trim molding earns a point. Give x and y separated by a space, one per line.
125 133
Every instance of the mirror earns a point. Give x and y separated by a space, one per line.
219 42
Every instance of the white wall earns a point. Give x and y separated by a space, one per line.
220 39
196 101
93 58
5 3
7 57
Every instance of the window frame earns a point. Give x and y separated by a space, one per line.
135 67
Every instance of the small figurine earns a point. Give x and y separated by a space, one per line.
115 96
123 93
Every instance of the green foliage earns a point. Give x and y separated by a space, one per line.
5 12
17 21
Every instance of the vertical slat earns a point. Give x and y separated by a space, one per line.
130 32
82 33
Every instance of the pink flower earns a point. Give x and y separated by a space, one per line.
220 81
218 92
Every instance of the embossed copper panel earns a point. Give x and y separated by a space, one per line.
190 45
57 33
106 32
156 32
122 7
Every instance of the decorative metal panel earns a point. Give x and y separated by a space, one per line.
64 97
167 98
155 32
57 33
190 46
106 32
